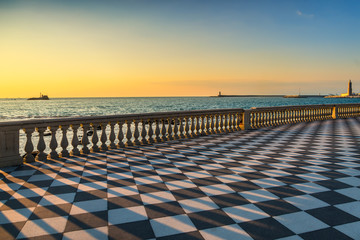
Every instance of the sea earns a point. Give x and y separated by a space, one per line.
21 109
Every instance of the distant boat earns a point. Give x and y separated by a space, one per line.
42 97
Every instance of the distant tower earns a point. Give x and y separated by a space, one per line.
349 92
219 93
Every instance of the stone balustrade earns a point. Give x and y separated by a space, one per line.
72 136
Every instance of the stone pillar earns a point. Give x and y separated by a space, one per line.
245 125
9 147
335 112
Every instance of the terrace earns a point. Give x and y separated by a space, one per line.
294 176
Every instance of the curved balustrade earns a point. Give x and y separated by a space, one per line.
64 137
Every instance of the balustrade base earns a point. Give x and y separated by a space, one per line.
10 161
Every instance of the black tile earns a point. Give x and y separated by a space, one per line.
327 233
121 182
164 210
285 191
156 187
135 231
86 221
94 178
42 212
183 236
9 231
229 200
124 201
210 219
295 170
243 186
277 207
332 197
145 173
291 179
173 177
62 189
20 203
181 194
206 181
333 184
90 195
267 228
190 169
332 215
253 175
333 174
221 171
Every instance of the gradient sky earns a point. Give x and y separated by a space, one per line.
85 48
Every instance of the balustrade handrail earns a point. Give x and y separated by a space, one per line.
100 133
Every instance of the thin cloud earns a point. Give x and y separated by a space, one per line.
305 15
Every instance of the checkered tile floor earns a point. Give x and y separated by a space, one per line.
291 182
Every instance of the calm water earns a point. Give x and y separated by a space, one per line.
24 109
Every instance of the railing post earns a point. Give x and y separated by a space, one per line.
9 147
334 112
245 125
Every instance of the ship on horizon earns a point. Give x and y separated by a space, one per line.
42 97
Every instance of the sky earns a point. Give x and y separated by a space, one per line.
88 48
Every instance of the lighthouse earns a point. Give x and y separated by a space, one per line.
349 91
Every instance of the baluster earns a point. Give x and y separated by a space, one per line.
202 126
221 123
163 130
150 132
192 126
128 133
41 156
85 139
211 124
187 128
53 143
157 131
143 132
103 137
64 142
75 141
136 133
176 128
94 138
112 136
232 122
29 147
226 123
238 120
120 136
197 126
181 128
169 129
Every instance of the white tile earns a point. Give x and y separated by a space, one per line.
294 237
306 202
310 187
122 191
139 168
300 222
245 213
125 215
211 166
312 177
18 215
352 208
353 192
157 197
27 193
216 189
349 171
93 172
41 227
117 176
352 181
88 234
42 177
57 199
259 195
350 229
268 182
166 171
89 186
65 181
275 173
172 225
184 164
230 178
88 206
243 169
313 168
198 174
181 184
11 186
198 204
21 173
225 232
148 180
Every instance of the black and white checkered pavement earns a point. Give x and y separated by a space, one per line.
291 182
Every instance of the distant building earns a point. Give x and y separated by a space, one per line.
349 90
348 94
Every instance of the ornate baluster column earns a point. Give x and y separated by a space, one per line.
41 156
103 137
192 126
136 133
181 128
187 128
150 132
75 141
169 129
112 135
211 124
163 130
157 131
85 139
64 142
128 133
94 138
120 135
176 128
29 147
53 143
202 125
143 133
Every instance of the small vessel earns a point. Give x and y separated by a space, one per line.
42 97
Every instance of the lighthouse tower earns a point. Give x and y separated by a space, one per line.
349 91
